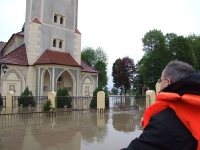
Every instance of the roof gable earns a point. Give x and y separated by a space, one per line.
36 20
16 57
18 34
2 44
56 57
87 68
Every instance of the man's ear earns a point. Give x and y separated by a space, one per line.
169 81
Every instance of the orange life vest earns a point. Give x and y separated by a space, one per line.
186 107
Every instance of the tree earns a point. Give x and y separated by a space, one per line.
114 73
181 49
169 37
26 98
159 50
151 69
114 91
138 79
63 98
88 56
47 106
194 41
153 62
101 55
102 77
153 40
92 56
125 73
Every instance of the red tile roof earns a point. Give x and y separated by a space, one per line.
16 57
56 57
87 68
36 20
77 31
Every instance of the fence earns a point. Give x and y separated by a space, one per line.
137 102
22 108
73 102
28 101
3 101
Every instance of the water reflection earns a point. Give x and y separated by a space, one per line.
126 122
79 130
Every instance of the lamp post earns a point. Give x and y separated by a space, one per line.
4 67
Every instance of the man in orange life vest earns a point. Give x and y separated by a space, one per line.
173 122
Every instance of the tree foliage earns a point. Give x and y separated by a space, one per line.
115 74
102 77
47 106
160 49
63 98
194 42
97 59
92 56
180 49
153 40
26 98
88 55
114 91
125 73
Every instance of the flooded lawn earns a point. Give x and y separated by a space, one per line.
78 130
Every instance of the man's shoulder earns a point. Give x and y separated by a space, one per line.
174 126
167 113
169 118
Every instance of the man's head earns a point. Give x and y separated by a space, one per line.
174 71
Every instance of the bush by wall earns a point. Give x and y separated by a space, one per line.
63 98
47 106
26 98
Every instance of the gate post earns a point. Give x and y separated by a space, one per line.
101 101
150 97
9 100
52 98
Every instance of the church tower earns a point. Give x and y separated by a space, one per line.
52 25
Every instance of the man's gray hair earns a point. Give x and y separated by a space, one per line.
176 70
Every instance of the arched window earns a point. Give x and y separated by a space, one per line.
61 20
54 43
55 18
60 44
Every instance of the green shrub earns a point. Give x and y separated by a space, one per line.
63 98
93 103
1 100
26 98
47 106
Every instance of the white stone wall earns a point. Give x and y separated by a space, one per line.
13 44
33 42
31 79
77 52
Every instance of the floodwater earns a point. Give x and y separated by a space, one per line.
78 130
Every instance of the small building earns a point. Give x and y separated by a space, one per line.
46 54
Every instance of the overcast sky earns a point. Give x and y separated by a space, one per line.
116 25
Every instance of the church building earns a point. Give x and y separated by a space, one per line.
46 54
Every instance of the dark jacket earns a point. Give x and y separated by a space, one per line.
165 131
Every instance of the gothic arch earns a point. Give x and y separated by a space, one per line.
87 85
72 79
17 80
44 89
